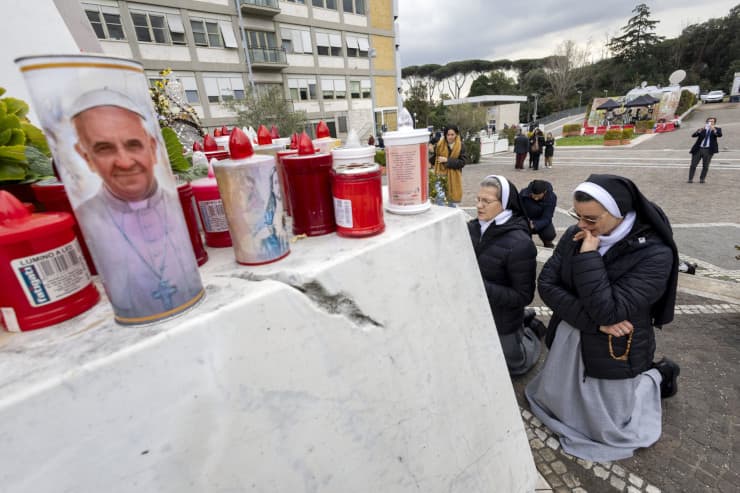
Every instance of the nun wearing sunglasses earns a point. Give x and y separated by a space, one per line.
611 280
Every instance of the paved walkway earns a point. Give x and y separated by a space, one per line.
698 449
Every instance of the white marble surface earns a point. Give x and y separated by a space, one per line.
351 365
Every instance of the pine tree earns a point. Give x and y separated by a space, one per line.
638 38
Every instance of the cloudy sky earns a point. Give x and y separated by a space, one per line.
440 31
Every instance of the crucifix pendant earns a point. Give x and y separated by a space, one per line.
164 293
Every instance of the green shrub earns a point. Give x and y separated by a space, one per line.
645 125
572 127
472 148
510 134
687 100
613 135
380 157
24 154
627 134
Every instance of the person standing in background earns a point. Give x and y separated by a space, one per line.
549 149
536 143
704 148
521 148
448 159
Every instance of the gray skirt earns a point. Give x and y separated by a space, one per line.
596 419
521 350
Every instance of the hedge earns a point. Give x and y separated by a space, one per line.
613 135
510 134
627 134
645 125
687 100
572 127
472 149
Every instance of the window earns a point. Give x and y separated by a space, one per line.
105 21
354 89
354 6
303 89
302 2
189 86
177 29
311 128
228 33
342 123
357 46
191 89
328 44
296 40
333 89
359 89
261 39
150 27
224 88
263 47
208 33
325 4
263 89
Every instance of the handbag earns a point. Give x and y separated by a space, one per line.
535 145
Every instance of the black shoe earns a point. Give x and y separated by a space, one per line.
690 181
549 244
529 315
687 268
701 181
669 371
538 327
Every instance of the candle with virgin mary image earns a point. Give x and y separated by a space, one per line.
252 194
104 136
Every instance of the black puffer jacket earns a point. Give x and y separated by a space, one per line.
540 212
588 290
507 259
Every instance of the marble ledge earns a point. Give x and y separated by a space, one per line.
352 364
44 355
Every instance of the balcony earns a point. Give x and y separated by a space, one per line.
268 8
268 58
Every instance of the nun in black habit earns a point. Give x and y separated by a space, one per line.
610 281
507 259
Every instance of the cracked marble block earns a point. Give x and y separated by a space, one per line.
351 365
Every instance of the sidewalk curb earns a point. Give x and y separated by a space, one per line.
709 288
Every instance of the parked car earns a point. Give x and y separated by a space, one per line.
713 97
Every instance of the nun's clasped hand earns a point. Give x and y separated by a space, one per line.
619 329
590 242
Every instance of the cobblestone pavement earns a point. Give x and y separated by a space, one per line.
699 446
697 451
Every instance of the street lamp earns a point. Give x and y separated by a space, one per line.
606 93
579 97
534 115
414 119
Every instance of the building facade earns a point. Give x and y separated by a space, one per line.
334 59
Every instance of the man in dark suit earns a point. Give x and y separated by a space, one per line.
521 148
704 148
